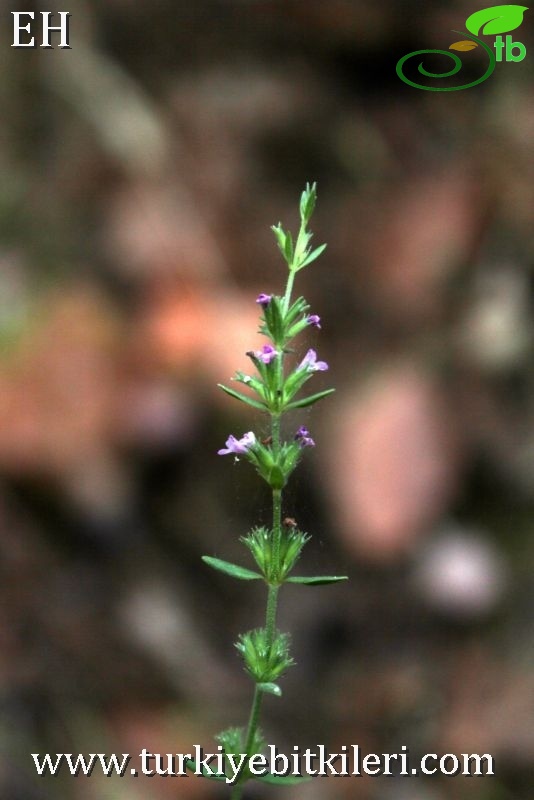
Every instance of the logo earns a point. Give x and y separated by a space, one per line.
487 21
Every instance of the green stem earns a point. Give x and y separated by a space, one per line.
270 616
277 526
270 613
275 432
253 719
237 791
289 289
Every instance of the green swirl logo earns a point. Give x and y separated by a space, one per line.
488 21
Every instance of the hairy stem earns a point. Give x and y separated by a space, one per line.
237 791
270 614
277 526
289 288
253 720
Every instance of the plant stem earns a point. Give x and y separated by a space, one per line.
237 791
289 288
270 612
275 432
270 616
254 718
277 529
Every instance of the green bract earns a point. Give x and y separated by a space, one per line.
266 657
260 542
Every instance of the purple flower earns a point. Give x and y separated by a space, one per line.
303 437
266 354
310 363
302 431
238 446
315 320
264 299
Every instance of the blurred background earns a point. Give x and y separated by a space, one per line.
141 171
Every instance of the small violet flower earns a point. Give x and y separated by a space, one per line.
266 354
310 363
303 437
264 299
314 320
238 446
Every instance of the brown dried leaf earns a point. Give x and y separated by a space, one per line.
464 45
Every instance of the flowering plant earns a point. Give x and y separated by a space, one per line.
273 390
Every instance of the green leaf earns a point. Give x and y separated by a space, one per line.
318 580
253 383
310 400
288 247
307 202
190 764
232 569
300 306
283 780
270 688
244 399
280 236
497 19
285 242
312 256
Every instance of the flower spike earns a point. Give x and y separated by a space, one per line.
273 388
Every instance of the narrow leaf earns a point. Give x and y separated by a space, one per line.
253 383
244 399
496 19
288 247
307 202
283 780
270 688
190 764
280 236
464 45
232 569
318 580
310 400
312 256
300 306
